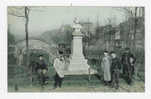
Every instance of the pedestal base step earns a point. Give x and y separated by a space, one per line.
80 72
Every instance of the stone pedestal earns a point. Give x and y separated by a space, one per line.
78 64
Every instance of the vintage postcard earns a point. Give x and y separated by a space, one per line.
76 49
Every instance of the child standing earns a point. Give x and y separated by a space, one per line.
115 70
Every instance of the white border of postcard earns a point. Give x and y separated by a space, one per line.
87 95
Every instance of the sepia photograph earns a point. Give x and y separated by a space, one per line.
76 49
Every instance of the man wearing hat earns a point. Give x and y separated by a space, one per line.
128 61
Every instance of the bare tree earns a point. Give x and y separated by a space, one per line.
22 12
111 23
131 15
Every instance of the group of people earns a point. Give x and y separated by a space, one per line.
41 69
112 66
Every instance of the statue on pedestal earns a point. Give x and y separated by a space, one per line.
77 27
78 64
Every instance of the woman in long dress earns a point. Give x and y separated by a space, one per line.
106 64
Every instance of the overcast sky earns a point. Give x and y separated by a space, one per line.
44 19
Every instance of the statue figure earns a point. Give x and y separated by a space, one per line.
77 26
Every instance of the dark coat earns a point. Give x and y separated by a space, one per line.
115 64
41 65
128 61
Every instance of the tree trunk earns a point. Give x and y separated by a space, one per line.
27 43
135 28
26 31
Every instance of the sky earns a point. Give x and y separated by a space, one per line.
42 19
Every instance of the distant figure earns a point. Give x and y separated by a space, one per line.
42 70
106 63
59 67
115 70
128 61
20 57
67 62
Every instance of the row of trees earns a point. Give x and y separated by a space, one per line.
126 32
134 16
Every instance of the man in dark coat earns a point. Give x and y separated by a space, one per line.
128 61
115 70
42 70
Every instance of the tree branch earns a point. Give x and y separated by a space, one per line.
16 15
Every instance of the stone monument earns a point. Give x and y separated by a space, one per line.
78 64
